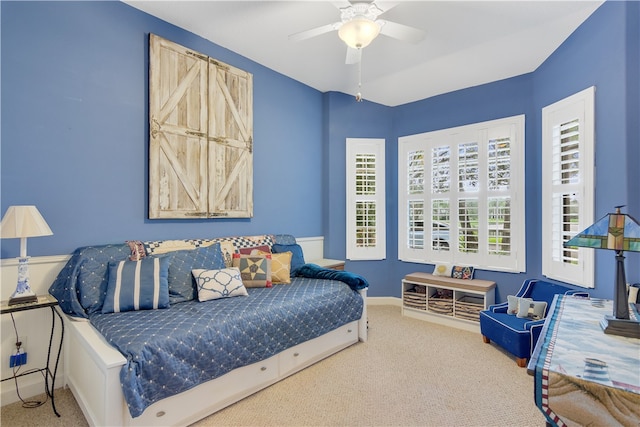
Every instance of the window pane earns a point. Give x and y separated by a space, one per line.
440 169
415 172
566 153
565 225
499 164
499 226
440 225
365 174
468 167
468 225
415 223
366 224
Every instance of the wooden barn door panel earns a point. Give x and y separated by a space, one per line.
178 181
201 135
231 140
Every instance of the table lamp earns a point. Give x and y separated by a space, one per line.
22 222
619 232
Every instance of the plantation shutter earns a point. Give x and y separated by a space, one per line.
460 197
567 203
201 135
366 223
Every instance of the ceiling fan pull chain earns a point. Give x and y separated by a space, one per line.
359 95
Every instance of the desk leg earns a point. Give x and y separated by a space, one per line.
55 369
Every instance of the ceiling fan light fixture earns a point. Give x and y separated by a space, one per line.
359 32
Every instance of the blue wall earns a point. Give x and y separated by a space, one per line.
75 134
75 130
603 52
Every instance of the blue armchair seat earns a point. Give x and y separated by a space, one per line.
519 335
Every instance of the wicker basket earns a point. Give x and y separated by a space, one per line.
441 305
414 299
469 307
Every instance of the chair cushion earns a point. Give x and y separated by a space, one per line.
508 331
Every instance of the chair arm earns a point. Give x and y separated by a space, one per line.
578 294
532 324
498 308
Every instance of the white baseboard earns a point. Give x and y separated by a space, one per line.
384 301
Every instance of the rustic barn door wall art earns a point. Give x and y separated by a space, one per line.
201 135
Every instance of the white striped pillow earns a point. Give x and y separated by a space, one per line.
137 285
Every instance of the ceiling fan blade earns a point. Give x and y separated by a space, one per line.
401 32
307 34
353 55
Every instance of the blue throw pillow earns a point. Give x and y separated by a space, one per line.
297 257
137 285
182 285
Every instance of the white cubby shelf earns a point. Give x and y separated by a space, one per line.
445 300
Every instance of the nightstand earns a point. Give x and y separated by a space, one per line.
44 301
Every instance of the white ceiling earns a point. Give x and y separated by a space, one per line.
467 43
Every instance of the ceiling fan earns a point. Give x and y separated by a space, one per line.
359 25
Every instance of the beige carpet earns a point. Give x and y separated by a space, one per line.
409 373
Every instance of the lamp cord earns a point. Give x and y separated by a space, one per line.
16 371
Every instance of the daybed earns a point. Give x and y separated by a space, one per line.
145 344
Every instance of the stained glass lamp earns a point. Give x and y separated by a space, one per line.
619 232
22 222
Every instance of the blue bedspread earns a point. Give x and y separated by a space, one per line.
172 350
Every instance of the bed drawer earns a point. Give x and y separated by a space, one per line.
213 395
307 353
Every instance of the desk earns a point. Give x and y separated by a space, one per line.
582 375
44 301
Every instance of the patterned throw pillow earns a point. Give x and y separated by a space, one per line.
181 282
529 309
442 270
513 302
137 250
137 285
166 246
228 249
280 266
221 283
462 272
297 257
249 251
255 270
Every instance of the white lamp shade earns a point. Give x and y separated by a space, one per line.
23 221
359 32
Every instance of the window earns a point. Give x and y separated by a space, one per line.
461 196
366 232
567 186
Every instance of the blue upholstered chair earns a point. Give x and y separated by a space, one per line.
518 335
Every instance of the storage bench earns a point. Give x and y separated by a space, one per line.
445 300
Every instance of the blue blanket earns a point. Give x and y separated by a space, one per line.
172 350
313 271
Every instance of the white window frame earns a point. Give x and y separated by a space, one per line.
482 133
374 147
579 106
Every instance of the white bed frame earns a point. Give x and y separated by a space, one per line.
93 375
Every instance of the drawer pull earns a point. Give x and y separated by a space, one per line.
264 368
160 414
349 330
296 354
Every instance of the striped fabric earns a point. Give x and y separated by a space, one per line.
137 285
